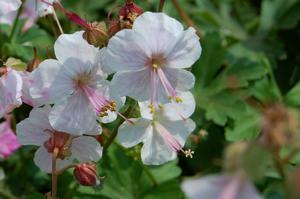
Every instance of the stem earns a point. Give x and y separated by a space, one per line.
57 22
54 176
65 168
14 28
186 18
114 133
161 5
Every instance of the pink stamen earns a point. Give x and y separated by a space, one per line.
153 87
97 100
169 138
166 84
79 21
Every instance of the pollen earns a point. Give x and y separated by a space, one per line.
188 153
178 99
152 109
154 66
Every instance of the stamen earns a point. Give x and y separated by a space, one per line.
172 141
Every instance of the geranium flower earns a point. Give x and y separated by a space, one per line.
162 137
11 91
8 140
220 187
76 85
36 130
149 58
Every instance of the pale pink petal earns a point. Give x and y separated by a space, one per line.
86 149
7 6
8 140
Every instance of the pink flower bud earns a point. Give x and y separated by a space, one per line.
86 174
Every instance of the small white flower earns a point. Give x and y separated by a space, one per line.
11 91
162 137
76 85
149 58
220 187
36 130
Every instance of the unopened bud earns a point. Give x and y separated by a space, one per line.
96 35
128 13
86 174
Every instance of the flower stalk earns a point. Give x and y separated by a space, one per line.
54 174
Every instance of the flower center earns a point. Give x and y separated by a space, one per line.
157 64
61 141
171 141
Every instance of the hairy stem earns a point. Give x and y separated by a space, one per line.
54 175
161 5
57 22
186 18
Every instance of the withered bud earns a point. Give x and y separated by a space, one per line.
34 63
97 34
128 13
86 174
114 27
279 126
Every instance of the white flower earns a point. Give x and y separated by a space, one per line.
162 137
7 6
76 85
220 187
36 130
149 58
11 91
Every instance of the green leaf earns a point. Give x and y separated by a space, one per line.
293 96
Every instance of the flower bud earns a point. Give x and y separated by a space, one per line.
86 174
128 13
96 35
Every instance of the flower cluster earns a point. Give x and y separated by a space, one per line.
72 94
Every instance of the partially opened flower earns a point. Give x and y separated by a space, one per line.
36 130
149 58
11 91
8 140
162 137
76 85
220 187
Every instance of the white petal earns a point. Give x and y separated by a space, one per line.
179 129
42 79
135 84
130 135
8 18
155 151
7 6
145 110
181 110
180 79
186 51
160 32
102 69
86 149
31 131
43 160
11 91
126 51
72 48
74 115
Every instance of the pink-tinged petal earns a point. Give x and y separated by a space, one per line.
135 84
74 115
32 130
7 6
72 50
11 91
8 18
180 110
186 51
126 51
8 140
52 81
43 160
130 135
155 151
86 149
220 187
159 31
180 129
181 80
